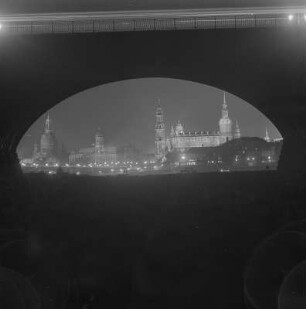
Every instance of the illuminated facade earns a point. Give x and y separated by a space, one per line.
180 140
160 134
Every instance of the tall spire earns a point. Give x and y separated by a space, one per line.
237 133
225 123
159 113
48 124
267 137
224 107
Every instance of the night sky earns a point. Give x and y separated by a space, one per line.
125 112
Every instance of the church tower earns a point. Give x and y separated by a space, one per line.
267 137
225 123
237 133
160 135
48 144
99 147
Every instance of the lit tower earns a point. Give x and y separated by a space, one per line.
225 123
237 133
160 135
99 146
48 140
267 137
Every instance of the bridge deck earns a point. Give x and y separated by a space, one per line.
117 21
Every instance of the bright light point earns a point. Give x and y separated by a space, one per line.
305 16
291 17
183 157
0 26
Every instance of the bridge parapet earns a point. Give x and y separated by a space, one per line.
153 20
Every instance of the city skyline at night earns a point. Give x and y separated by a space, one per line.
125 113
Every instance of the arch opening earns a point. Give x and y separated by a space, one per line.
151 126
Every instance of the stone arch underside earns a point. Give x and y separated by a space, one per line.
266 68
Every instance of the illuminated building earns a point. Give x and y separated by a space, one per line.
180 140
246 153
48 143
160 134
97 155
48 151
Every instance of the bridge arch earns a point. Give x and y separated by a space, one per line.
266 68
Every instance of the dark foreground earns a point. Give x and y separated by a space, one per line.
176 241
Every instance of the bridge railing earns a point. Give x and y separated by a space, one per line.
91 25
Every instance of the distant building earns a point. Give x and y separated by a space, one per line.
246 153
160 134
48 142
47 151
181 140
97 155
